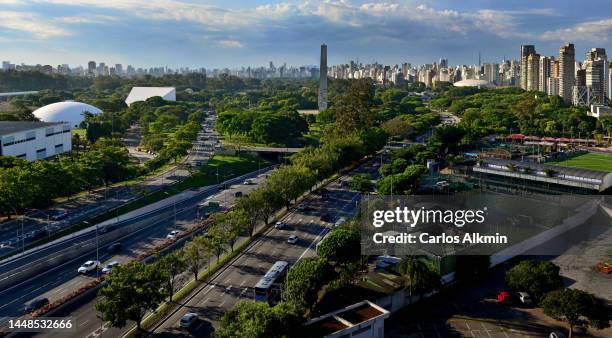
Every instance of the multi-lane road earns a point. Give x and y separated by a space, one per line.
237 279
144 233
38 223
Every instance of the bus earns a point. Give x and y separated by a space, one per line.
268 287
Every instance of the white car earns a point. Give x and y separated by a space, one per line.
188 319
340 221
292 239
88 266
109 267
173 234
279 225
556 334
248 182
524 298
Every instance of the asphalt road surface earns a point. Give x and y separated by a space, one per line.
237 280
20 232
63 279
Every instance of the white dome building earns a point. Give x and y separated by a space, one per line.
474 83
67 111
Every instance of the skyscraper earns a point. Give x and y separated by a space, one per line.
91 67
566 71
545 63
533 71
597 69
525 51
323 79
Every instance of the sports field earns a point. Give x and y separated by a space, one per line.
593 161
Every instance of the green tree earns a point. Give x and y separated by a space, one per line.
289 182
577 308
305 279
196 255
259 320
361 183
537 278
173 264
342 246
130 292
418 275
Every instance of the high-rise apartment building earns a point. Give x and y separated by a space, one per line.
544 72
491 73
596 77
323 79
533 71
567 56
526 50
91 67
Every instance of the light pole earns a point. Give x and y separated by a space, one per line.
22 233
173 208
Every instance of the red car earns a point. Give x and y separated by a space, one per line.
504 297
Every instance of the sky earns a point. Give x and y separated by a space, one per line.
234 33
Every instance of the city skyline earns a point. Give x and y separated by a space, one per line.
217 35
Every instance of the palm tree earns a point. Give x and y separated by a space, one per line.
418 275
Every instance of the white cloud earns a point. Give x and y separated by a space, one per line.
87 19
594 31
231 44
31 24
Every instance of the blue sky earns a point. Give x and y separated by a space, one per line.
234 33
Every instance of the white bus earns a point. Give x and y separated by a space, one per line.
268 287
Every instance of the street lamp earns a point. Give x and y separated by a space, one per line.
173 207
22 233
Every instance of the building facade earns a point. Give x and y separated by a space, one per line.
34 140
567 58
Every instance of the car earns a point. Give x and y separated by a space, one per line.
59 216
35 305
326 217
173 234
188 319
109 267
556 334
248 182
279 225
114 248
88 266
524 298
292 239
340 221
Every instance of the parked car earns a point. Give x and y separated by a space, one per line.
188 319
173 234
35 305
292 239
279 225
109 267
88 266
248 181
340 221
504 297
524 298
114 248
556 334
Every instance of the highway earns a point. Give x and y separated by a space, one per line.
26 228
213 298
144 234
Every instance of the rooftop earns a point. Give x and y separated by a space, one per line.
10 127
348 317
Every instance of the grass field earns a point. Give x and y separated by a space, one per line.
592 161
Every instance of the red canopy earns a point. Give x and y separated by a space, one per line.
516 136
